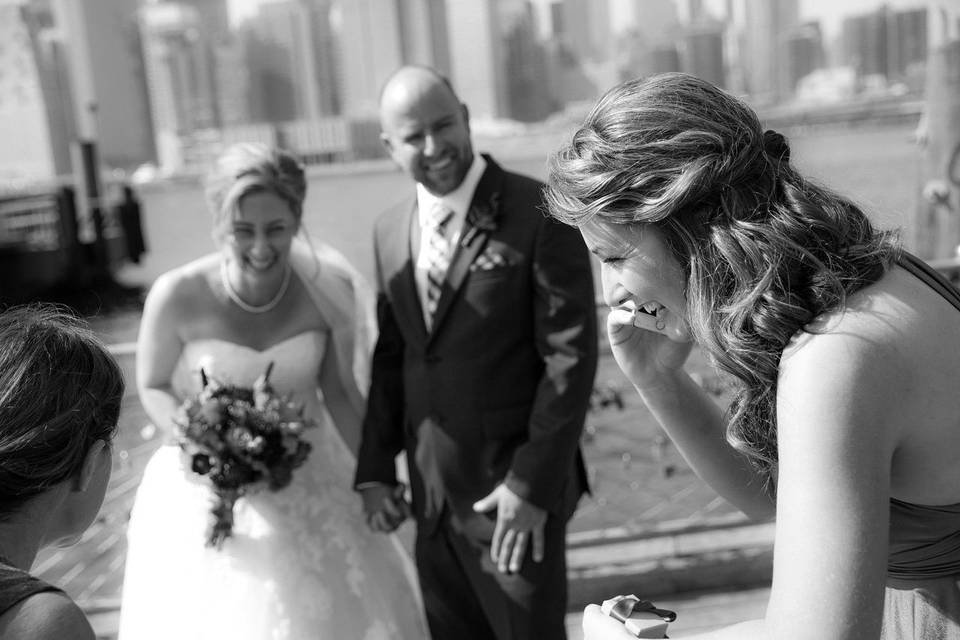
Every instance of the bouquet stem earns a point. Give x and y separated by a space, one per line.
222 526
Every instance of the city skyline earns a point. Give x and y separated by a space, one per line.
306 73
830 12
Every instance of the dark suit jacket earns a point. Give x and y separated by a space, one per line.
500 387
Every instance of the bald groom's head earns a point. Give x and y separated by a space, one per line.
425 128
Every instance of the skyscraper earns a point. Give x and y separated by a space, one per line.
476 57
768 25
804 52
369 49
289 56
124 132
27 106
423 31
178 77
587 30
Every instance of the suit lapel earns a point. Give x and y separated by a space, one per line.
399 263
473 238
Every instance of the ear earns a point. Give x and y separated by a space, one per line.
466 115
91 462
387 144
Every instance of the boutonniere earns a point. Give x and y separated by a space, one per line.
482 217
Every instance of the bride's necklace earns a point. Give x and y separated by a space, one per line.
246 306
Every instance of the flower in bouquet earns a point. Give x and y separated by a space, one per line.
244 439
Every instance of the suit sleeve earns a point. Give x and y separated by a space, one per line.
566 338
382 431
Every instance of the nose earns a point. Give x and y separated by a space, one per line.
261 244
430 145
614 295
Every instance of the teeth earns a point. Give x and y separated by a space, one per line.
651 308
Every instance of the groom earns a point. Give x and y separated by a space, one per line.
482 372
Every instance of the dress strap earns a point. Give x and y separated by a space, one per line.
931 276
17 585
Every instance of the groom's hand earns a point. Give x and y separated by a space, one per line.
384 507
517 522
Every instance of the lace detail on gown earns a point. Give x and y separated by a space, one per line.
301 563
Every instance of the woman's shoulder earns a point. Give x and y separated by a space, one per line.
47 615
885 333
186 282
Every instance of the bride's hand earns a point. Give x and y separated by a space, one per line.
645 350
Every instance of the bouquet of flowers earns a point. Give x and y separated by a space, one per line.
244 440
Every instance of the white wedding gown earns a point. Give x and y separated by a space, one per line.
301 563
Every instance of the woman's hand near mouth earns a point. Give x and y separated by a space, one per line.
644 345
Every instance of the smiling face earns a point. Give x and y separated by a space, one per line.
639 271
426 130
257 239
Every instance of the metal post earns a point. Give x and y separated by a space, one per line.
936 223
70 18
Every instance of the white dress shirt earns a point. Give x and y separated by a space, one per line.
458 201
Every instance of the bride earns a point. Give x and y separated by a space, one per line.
300 563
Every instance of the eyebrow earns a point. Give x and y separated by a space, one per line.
269 223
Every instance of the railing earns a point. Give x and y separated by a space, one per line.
31 223
949 267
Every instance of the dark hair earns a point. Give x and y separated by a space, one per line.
60 391
765 250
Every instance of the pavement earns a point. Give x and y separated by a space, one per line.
696 613
649 527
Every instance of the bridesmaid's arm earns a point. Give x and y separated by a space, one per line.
343 400
158 349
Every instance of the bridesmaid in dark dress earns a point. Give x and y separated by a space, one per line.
60 395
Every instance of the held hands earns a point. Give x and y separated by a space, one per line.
645 349
517 522
385 507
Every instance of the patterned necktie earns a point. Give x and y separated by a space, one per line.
437 250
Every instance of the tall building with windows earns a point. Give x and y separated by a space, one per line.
769 25
29 102
124 131
476 62
702 51
289 57
587 30
37 96
369 49
805 53
865 42
423 33
178 76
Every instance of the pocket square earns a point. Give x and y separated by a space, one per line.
489 260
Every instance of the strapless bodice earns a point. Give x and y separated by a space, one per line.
296 364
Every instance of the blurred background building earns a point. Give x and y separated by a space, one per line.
176 80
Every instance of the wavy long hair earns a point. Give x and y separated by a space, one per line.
765 250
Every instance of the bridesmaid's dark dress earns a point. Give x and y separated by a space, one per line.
923 567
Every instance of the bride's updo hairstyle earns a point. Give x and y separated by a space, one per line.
765 250
247 168
60 392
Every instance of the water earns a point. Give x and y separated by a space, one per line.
878 166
